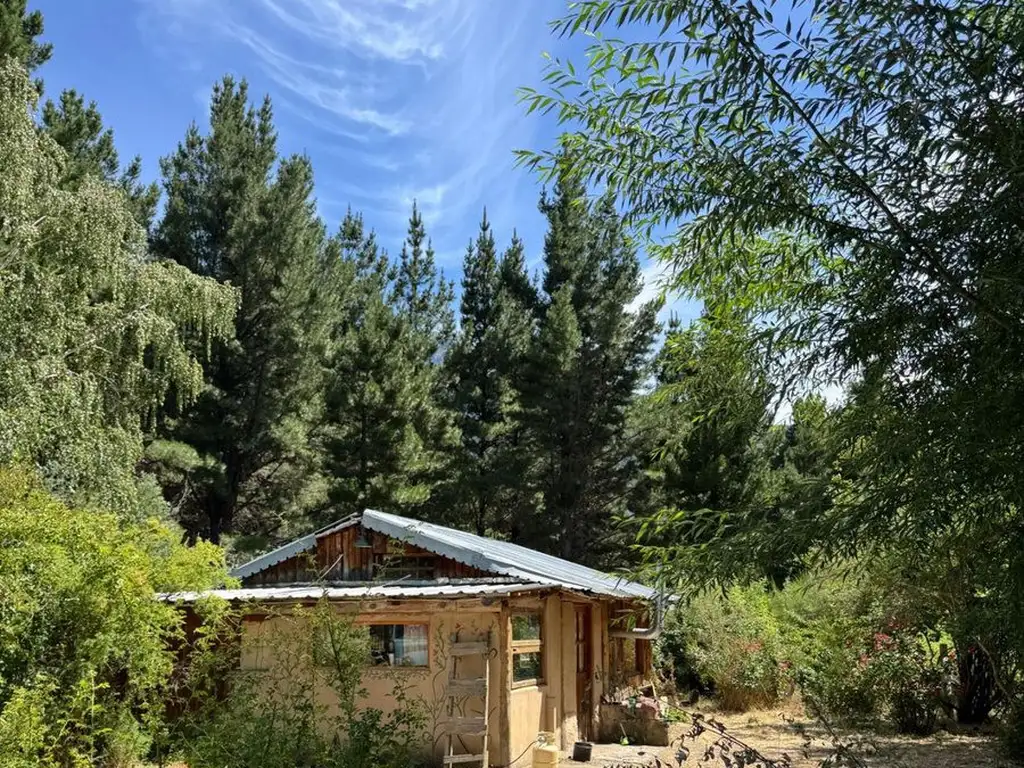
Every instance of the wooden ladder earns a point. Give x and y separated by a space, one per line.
464 688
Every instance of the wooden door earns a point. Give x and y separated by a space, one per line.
584 671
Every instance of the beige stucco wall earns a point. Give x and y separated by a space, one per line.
526 721
517 713
469 619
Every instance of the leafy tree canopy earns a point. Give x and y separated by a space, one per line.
93 335
846 174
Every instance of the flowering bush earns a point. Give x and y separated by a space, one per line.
890 672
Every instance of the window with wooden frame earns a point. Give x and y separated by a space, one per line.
527 649
400 564
399 645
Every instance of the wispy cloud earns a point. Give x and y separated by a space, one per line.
655 278
420 92
396 31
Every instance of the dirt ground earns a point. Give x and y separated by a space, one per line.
776 733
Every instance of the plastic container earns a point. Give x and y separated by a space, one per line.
545 753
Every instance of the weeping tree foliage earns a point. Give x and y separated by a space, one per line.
74 125
849 173
93 335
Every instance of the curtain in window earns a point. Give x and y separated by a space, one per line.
411 645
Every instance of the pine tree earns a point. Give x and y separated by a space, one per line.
19 29
79 129
238 215
422 301
375 452
421 295
514 279
517 304
479 385
588 360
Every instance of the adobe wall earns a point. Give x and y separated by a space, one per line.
517 711
470 619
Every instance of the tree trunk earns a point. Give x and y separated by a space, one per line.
977 693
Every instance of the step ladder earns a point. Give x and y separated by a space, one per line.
459 690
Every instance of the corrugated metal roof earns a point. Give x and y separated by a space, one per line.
381 591
502 557
341 525
490 555
291 548
274 557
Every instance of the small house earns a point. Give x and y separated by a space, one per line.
550 639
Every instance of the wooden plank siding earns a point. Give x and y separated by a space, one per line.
338 559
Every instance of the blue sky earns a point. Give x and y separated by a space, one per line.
393 100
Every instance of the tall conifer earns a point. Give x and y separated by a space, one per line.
479 386
587 361
377 453
236 214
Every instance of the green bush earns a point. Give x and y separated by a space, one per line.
728 645
855 661
823 620
85 652
1013 730
279 716
828 633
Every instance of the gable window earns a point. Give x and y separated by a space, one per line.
399 645
527 649
396 565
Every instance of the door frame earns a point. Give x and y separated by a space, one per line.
583 644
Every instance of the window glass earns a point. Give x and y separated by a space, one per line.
527 647
526 666
395 565
399 645
526 626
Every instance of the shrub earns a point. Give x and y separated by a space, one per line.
84 644
1013 730
298 708
828 633
854 661
823 619
729 645
674 662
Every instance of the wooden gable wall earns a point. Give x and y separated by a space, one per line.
338 559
